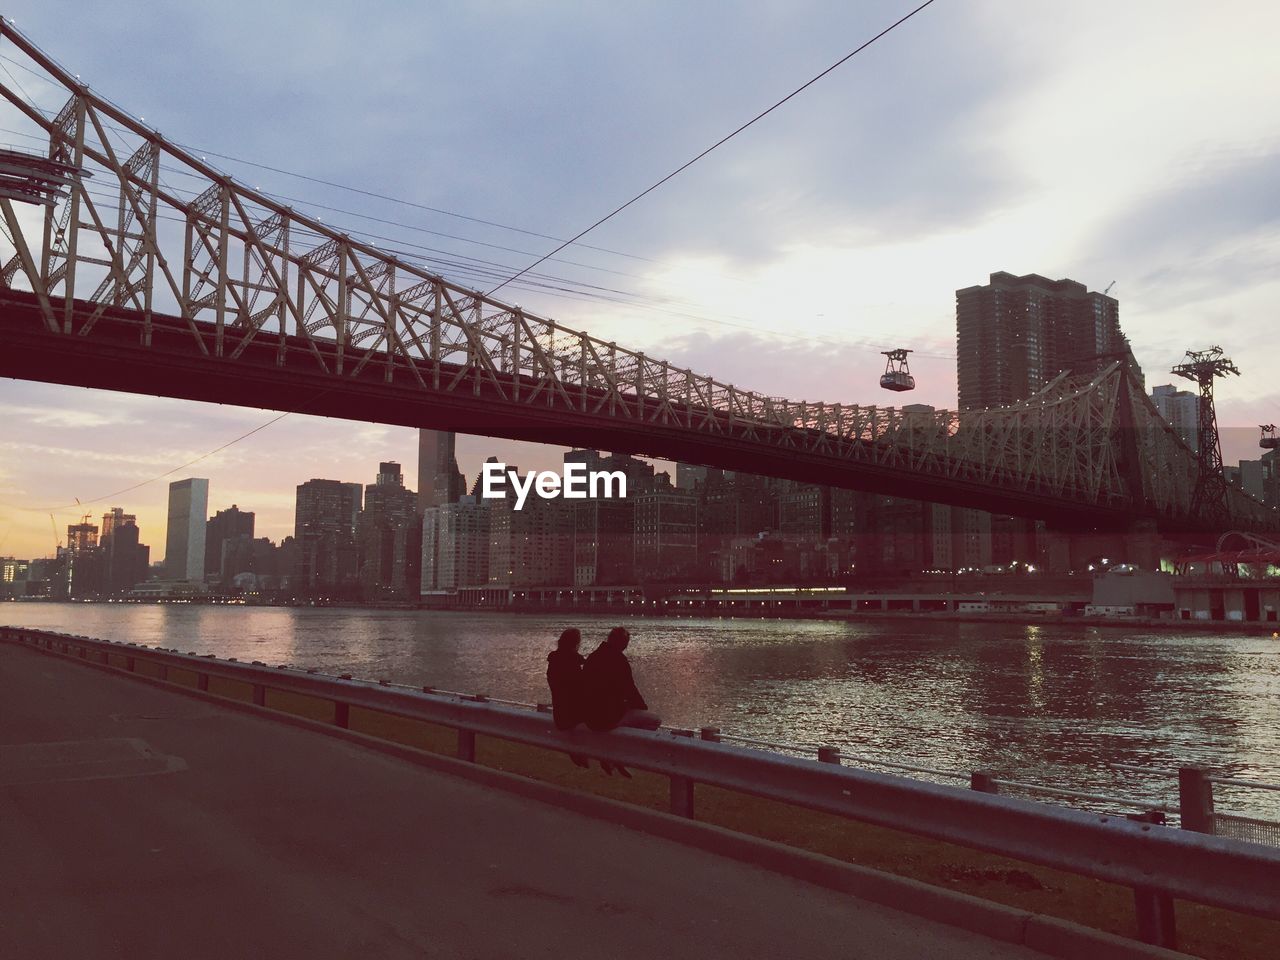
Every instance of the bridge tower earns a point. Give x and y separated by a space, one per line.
1209 500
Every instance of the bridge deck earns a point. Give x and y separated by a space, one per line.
138 822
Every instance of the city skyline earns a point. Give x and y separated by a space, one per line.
1174 201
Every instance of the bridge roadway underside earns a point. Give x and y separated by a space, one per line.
140 823
111 357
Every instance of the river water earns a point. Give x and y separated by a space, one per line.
1050 704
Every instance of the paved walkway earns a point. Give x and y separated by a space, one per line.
140 823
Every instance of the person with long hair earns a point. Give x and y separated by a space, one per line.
564 677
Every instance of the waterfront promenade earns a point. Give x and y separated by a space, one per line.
141 823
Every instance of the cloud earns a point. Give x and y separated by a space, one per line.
66 418
1193 238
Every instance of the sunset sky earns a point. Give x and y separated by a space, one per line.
1137 143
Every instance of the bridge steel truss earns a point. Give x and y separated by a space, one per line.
160 274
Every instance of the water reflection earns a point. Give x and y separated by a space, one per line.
1047 703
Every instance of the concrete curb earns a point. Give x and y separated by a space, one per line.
1047 935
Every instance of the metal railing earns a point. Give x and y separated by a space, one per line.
1157 862
1196 803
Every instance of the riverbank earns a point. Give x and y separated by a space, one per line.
660 611
1113 623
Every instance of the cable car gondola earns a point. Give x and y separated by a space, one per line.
897 376
1269 439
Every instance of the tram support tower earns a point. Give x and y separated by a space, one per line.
1209 499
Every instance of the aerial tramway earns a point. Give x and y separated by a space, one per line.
897 375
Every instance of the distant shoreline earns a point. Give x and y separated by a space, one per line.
864 616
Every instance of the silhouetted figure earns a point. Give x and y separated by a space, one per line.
612 699
564 677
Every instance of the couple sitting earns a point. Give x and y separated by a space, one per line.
597 690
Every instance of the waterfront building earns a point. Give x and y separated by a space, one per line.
439 479
114 518
455 546
184 534
246 554
13 577
389 535
666 532
225 525
127 562
1015 540
1015 334
603 536
530 547
1181 409
733 506
324 525
804 511
972 540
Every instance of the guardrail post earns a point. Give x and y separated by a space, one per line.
983 781
710 734
1156 922
829 754
467 745
682 796
1195 799
341 714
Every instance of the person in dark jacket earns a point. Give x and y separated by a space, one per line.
611 698
564 677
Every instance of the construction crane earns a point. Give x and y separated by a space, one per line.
897 376
1269 439
57 540
1109 286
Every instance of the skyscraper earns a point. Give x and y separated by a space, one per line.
666 532
127 561
115 518
439 479
389 534
1015 334
184 536
1181 408
455 546
223 526
324 528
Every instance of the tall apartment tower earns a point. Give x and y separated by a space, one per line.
388 535
439 479
225 526
1181 408
1015 334
184 536
324 529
